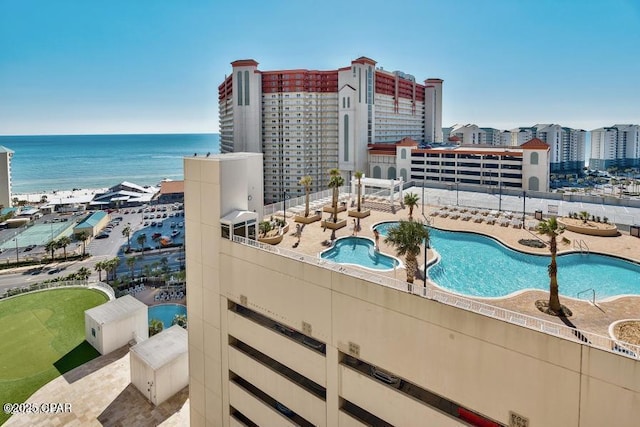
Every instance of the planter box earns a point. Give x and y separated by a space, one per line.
334 225
271 240
329 209
362 214
307 219
604 230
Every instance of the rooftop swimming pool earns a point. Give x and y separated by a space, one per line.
359 251
166 312
476 265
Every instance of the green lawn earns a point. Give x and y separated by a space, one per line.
41 337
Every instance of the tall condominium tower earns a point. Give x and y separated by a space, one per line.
567 144
617 146
5 176
307 121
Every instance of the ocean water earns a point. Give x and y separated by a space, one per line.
65 162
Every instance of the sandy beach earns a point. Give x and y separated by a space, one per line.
55 195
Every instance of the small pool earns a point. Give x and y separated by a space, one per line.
477 265
166 312
359 251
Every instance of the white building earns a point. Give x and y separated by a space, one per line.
307 122
279 338
5 177
116 323
616 146
567 145
160 365
525 167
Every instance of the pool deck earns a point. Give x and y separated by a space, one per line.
586 316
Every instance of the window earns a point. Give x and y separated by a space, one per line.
534 183
403 153
377 173
391 173
239 87
534 158
346 137
246 88
93 332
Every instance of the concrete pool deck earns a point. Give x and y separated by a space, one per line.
586 316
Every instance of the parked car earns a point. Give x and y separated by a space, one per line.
102 235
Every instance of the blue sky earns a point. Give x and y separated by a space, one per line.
154 65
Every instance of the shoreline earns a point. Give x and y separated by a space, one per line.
53 195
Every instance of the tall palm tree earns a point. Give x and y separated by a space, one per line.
411 200
552 230
142 239
51 247
126 232
335 182
83 236
83 273
131 262
306 181
63 242
113 266
99 267
358 175
407 237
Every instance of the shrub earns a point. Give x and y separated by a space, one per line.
605 220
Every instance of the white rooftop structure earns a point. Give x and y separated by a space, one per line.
115 310
162 348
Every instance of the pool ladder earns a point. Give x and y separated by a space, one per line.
593 294
580 245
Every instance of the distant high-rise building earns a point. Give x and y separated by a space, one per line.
307 121
5 176
616 146
567 144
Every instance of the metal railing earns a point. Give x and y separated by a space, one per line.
580 245
530 322
316 201
36 287
593 295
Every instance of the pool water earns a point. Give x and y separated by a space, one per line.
476 265
166 312
359 251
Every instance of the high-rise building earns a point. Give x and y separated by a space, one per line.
307 121
5 176
567 145
283 338
616 146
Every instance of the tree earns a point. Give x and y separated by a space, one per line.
552 230
164 266
63 242
407 237
131 262
126 232
142 240
306 183
100 267
335 182
83 273
113 267
83 236
51 247
584 216
155 327
43 199
264 227
411 200
180 320
358 175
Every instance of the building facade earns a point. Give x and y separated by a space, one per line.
5 177
568 146
525 167
617 146
307 122
279 338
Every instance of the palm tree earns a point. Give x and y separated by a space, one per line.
113 266
126 232
83 236
358 175
155 327
142 239
131 262
51 247
306 181
335 182
180 320
407 237
584 216
63 242
164 265
83 273
99 267
411 200
552 229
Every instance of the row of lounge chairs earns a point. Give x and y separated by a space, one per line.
504 219
169 296
134 290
